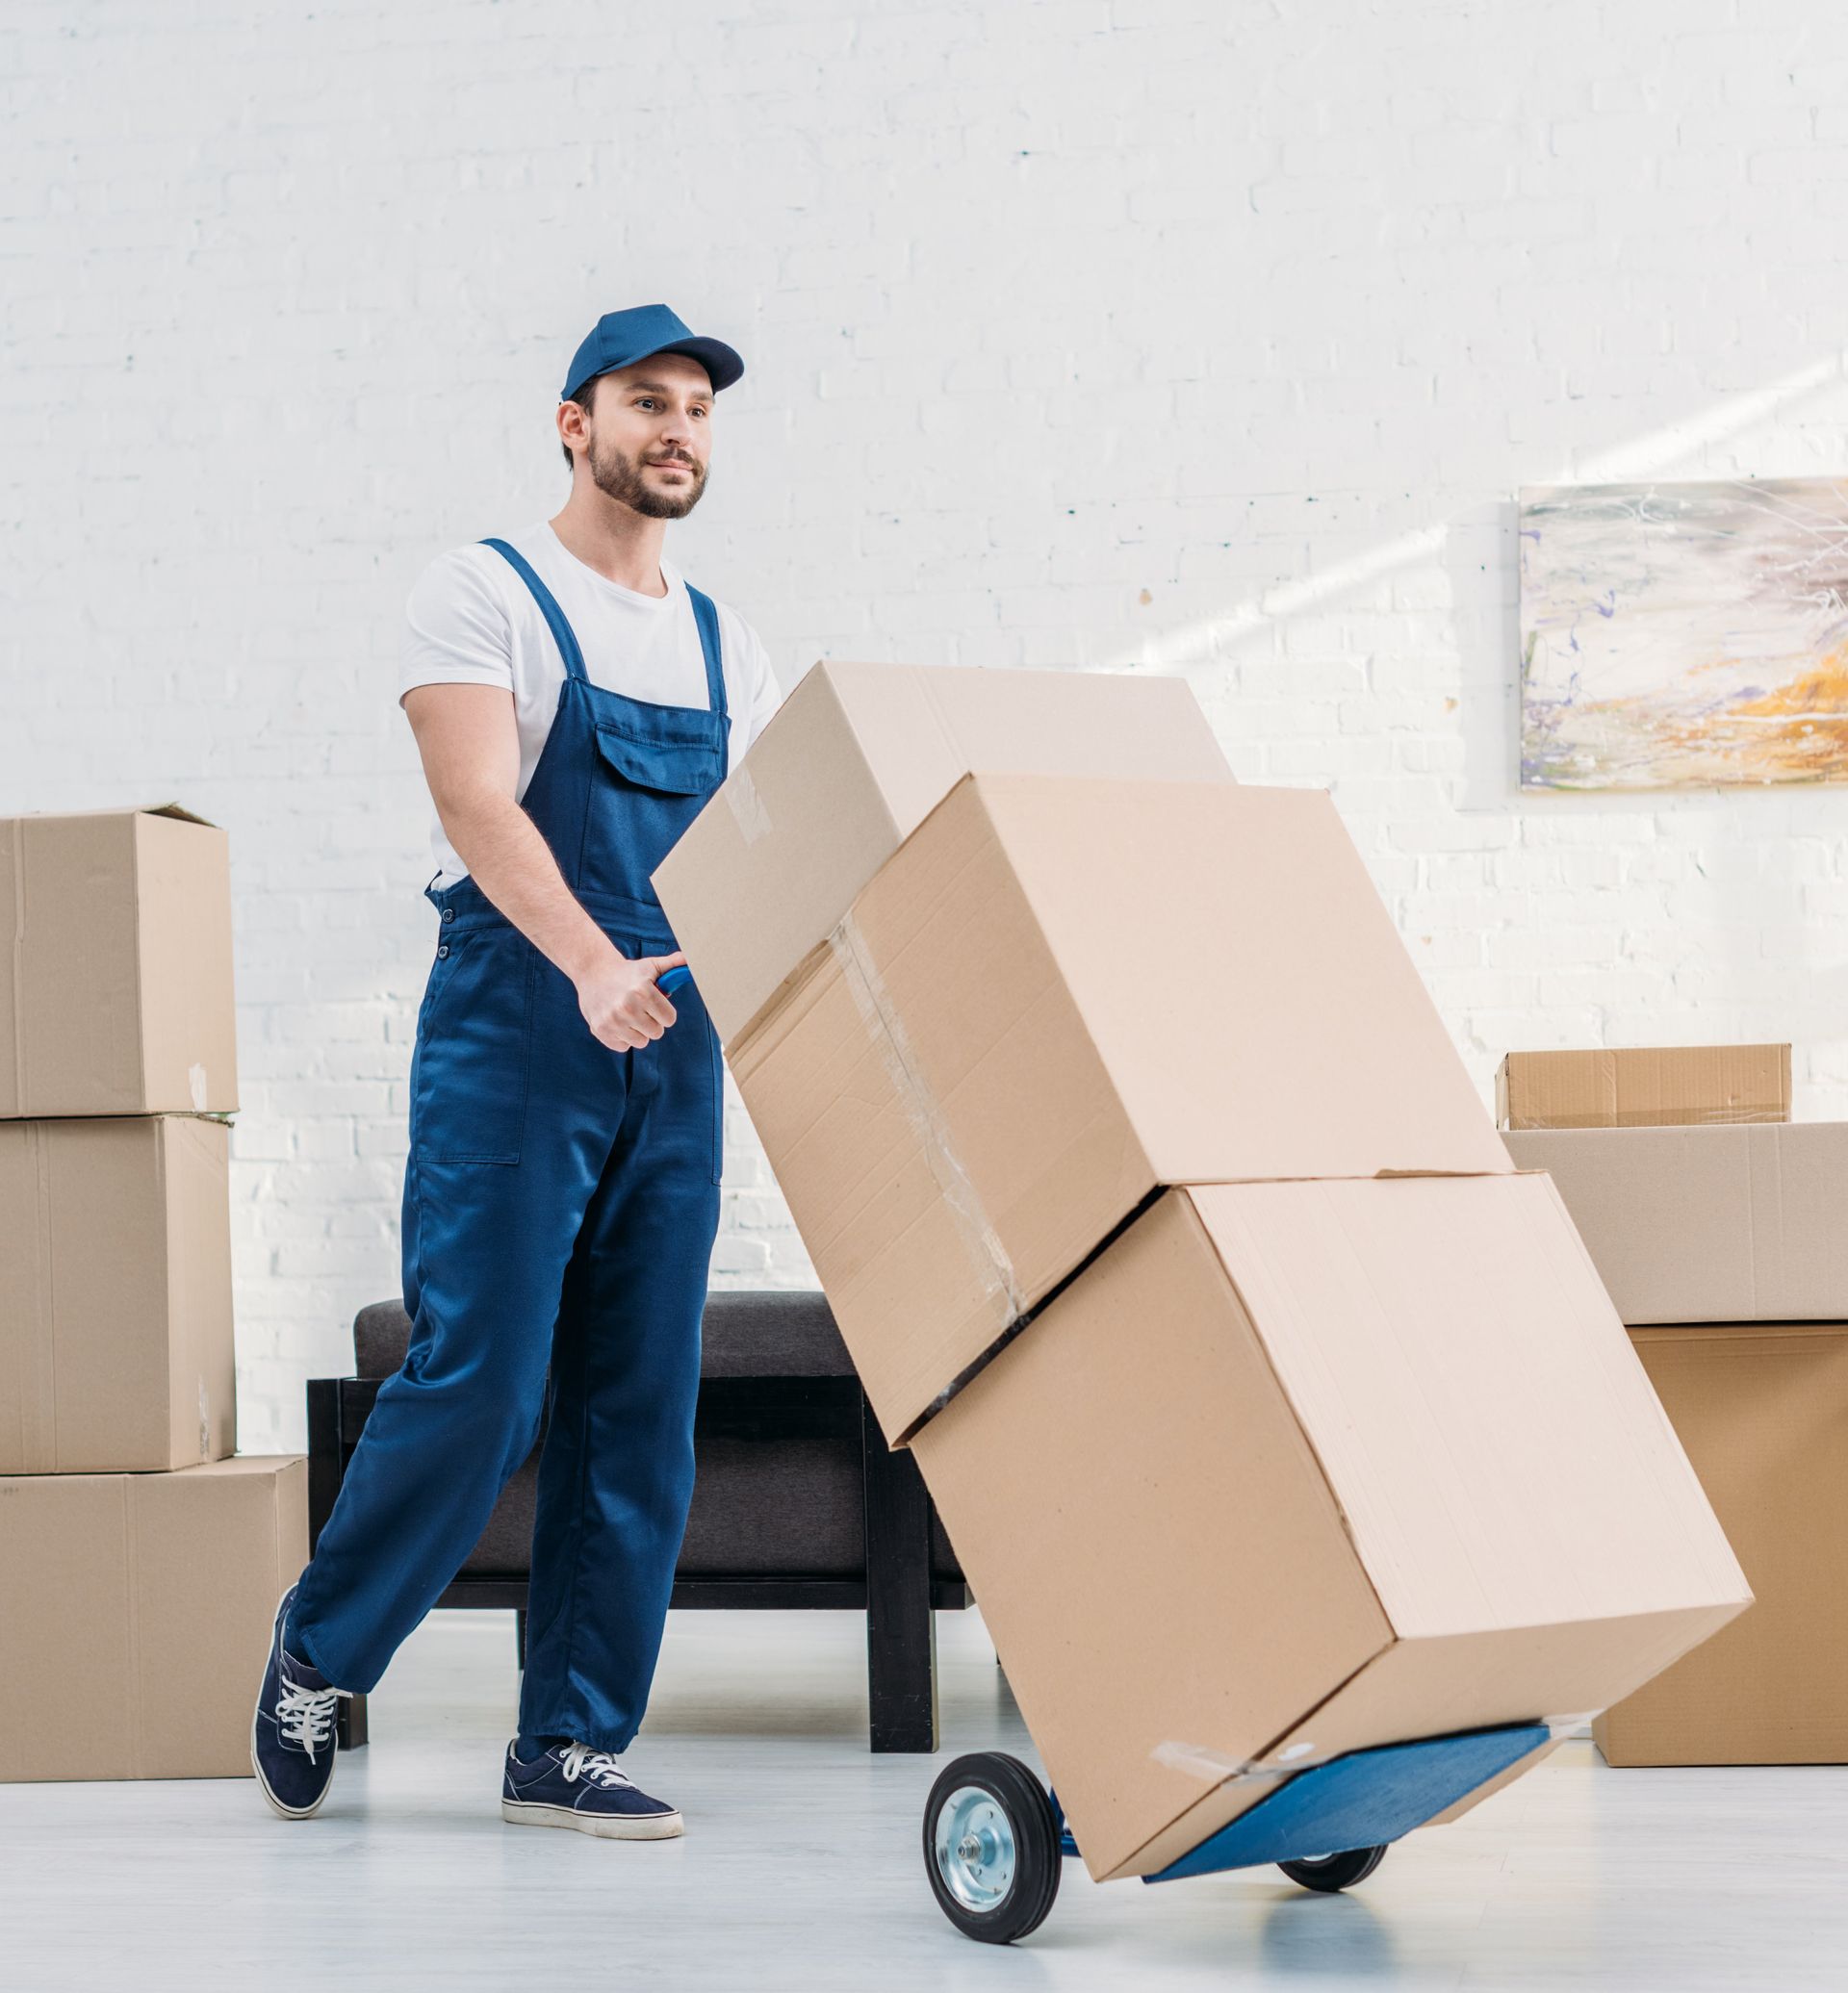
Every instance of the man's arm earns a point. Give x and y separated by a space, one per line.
470 750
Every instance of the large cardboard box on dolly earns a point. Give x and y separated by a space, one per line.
137 1611
120 996
1708 1224
116 1316
1296 1468
1644 1086
1060 994
855 759
1762 1410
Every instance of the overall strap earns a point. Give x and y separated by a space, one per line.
705 614
561 630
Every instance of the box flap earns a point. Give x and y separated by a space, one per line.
923 727
175 810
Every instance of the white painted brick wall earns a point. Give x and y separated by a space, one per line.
1207 336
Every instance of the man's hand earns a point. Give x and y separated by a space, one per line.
620 1002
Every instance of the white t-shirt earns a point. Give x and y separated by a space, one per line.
472 621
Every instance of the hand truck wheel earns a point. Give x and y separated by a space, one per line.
1329 1873
991 1847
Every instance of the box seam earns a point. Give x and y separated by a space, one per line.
15 961
131 1613
39 1136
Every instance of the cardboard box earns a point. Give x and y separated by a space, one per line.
119 1001
1645 1087
1764 1413
1708 1224
115 1317
1060 994
855 759
1296 1468
137 1612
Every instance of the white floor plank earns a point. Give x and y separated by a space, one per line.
801 1866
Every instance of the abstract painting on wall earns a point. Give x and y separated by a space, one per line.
1680 636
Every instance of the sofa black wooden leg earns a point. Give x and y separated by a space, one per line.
520 1640
325 1455
349 1723
901 1634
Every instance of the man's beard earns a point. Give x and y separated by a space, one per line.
620 478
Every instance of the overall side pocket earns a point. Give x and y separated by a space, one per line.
473 1050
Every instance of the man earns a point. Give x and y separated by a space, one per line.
575 702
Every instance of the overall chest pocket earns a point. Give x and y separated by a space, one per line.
669 763
468 1071
651 782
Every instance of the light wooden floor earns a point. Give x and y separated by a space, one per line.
801 1867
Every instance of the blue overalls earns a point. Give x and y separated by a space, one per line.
560 1203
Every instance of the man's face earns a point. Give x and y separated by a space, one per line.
650 435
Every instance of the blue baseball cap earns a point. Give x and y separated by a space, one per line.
619 338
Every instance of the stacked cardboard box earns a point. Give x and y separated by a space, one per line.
1272 1413
139 1565
1722 1244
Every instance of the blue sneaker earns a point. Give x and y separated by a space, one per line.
291 1735
572 1785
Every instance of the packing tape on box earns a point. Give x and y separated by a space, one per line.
981 1245
1222 1768
748 812
1651 1118
1703 1117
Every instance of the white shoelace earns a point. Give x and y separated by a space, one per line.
598 1766
305 1717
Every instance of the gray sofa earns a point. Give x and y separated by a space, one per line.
797 1502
